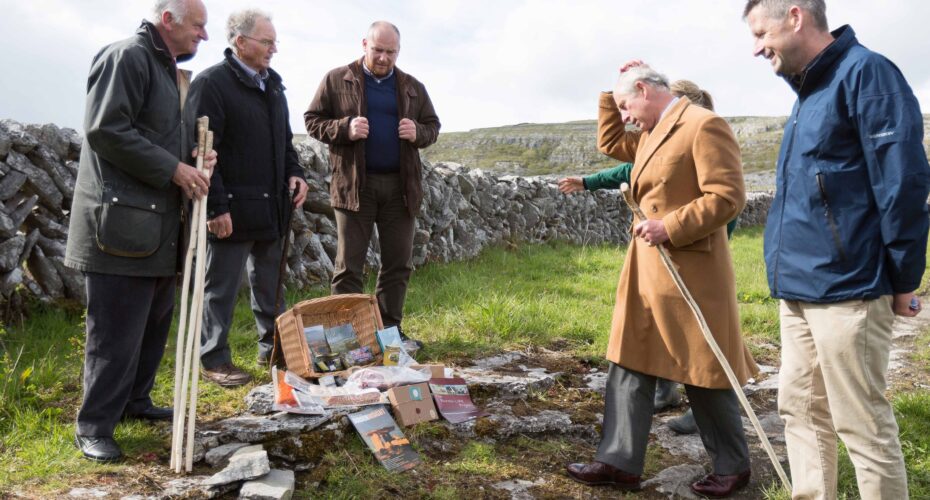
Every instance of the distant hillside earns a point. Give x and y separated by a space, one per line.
570 148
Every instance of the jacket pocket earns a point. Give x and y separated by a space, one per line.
831 220
701 245
251 209
129 223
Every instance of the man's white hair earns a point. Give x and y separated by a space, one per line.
626 84
177 8
243 23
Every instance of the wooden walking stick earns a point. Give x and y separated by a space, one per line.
197 305
276 349
191 317
737 388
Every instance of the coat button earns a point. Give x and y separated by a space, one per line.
265 195
655 209
115 199
153 207
229 196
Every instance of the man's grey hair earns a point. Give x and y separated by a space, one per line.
243 23
381 24
626 84
177 8
778 10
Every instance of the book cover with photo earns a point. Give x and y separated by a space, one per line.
453 400
385 439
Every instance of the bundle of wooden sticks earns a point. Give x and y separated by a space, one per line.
187 355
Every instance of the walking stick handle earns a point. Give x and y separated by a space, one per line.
708 336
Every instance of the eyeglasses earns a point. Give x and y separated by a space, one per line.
266 42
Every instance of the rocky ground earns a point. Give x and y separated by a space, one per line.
545 410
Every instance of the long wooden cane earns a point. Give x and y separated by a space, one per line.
737 388
197 309
181 366
278 296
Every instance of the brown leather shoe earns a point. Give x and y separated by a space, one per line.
227 375
717 486
596 473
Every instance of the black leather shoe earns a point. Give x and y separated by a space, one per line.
151 413
409 343
98 448
596 473
717 486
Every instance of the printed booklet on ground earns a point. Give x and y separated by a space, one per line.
385 439
453 401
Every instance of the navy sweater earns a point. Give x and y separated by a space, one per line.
382 148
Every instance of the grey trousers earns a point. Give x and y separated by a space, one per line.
381 203
128 319
628 418
225 263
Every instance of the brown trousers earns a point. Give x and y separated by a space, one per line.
381 204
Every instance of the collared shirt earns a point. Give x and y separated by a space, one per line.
258 78
670 104
377 79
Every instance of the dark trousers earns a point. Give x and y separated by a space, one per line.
628 418
225 263
128 319
381 204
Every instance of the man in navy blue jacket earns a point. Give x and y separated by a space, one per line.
250 201
845 243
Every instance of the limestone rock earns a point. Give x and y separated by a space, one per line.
676 481
245 464
276 485
220 455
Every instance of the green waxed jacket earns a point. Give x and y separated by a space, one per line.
126 213
611 178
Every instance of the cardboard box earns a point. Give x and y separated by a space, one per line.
436 371
412 404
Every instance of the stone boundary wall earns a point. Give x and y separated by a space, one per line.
463 212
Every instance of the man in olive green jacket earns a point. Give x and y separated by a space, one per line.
125 224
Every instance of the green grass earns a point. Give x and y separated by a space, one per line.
528 295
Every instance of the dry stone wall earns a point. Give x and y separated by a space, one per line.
463 212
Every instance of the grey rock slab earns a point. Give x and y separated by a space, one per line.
276 485
253 429
88 493
260 400
9 281
10 183
682 445
676 481
769 384
191 487
596 381
10 250
516 384
499 360
219 456
518 488
20 138
771 423
245 464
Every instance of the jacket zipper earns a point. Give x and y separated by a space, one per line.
829 215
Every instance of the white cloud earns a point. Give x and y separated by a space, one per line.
484 62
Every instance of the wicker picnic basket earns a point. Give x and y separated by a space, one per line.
359 309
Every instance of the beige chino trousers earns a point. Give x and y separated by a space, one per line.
832 383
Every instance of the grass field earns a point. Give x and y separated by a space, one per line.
540 295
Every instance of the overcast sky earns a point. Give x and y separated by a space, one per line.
484 63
